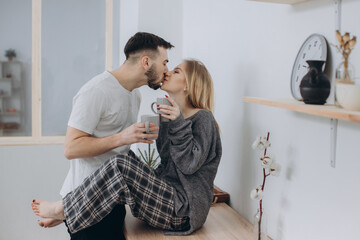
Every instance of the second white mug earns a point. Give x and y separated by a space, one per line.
147 119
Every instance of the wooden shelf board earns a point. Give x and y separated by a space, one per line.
281 1
223 222
327 110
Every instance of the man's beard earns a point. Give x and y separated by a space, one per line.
152 78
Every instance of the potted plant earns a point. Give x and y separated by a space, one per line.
149 158
10 54
345 71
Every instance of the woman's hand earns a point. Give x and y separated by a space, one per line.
171 112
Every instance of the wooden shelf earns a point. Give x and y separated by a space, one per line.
223 222
281 1
327 110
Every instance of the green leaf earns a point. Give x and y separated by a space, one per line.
142 155
152 154
146 154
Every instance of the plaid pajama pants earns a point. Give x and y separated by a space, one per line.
123 179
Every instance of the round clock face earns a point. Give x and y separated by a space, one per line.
314 48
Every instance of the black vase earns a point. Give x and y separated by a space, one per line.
315 86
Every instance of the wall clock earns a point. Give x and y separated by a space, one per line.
314 48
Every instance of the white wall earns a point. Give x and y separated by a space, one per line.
129 23
250 48
27 173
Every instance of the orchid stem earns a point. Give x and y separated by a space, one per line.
262 188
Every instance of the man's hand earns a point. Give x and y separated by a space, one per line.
79 144
136 133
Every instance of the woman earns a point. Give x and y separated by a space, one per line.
176 197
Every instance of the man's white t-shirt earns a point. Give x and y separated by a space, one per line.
101 108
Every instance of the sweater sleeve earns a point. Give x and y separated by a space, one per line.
190 143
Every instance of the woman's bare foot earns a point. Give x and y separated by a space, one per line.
49 222
44 209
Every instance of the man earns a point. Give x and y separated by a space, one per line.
103 121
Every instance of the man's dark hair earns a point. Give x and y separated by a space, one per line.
145 41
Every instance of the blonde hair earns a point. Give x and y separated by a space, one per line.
200 85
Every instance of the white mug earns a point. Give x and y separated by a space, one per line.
161 101
147 119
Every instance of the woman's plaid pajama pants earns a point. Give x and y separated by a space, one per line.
123 179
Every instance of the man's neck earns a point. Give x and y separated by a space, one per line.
129 76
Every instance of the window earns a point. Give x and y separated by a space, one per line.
68 42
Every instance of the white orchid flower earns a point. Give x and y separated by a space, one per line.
256 143
256 194
275 169
267 161
261 143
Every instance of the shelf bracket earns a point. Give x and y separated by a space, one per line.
338 14
334 122
333 136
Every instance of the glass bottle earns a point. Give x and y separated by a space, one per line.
260 225
345 72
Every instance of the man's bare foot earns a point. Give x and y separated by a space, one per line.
49 222
46 209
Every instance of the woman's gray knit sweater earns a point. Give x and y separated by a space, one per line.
190 151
